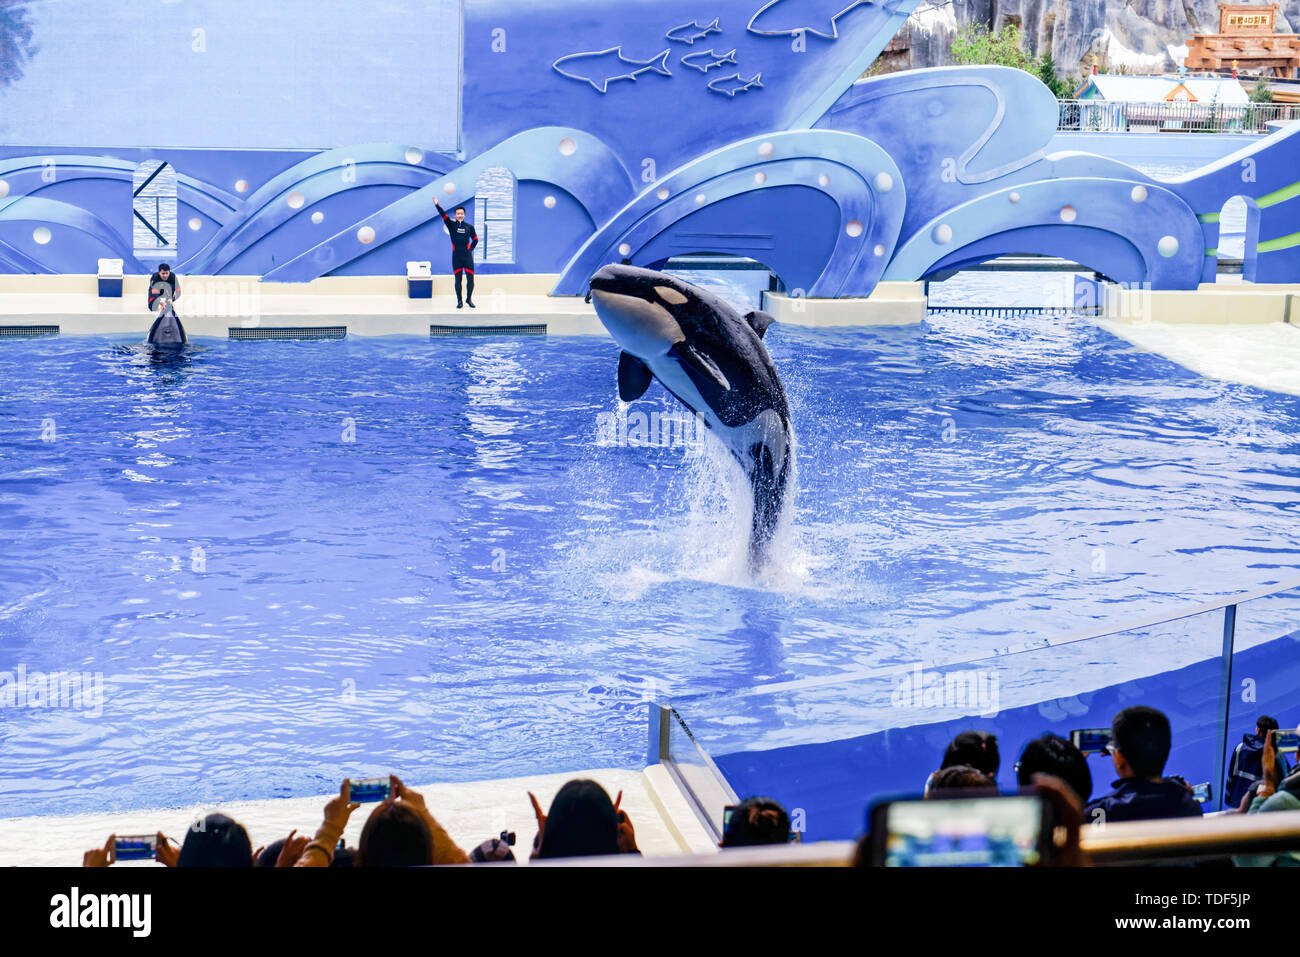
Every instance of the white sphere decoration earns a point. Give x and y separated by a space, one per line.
42 235
624 249
4 189
879 250
854 228
414 155
366 234
295 200
823 180
568 147
662 192
760 177
1069 214
1139 194
241 186
884 182
318 217
449 188
549 202
195 223
699 199
1014 197
942 234
766 150
1168 247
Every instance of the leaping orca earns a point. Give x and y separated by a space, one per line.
167 329
714 361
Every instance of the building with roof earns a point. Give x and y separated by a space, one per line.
1113 102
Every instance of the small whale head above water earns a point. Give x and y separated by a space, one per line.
167 329
713 360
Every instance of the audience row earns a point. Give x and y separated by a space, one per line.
582 821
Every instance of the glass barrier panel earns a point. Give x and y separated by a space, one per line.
826 747
1265 680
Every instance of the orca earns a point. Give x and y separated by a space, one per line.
713 360
167 329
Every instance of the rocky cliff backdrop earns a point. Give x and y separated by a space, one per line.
1142 36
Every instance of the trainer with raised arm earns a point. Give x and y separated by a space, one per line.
463 241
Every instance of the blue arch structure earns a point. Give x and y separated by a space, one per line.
954 143
1130 231
576 162
694 209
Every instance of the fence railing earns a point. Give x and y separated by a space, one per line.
1109 116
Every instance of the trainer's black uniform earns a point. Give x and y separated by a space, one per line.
463 241
158 286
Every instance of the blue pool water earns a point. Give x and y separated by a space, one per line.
296 561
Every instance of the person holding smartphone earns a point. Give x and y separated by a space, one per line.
1140 743
1275 793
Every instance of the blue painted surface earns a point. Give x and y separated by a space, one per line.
834 781
624 571
631 132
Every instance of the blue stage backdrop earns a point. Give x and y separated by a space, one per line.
308 138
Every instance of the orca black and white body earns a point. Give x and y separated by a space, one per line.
713 360
167 329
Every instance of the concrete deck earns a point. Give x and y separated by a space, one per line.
471 813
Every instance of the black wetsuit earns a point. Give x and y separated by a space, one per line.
463 241
169 287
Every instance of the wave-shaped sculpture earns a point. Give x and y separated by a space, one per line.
834 182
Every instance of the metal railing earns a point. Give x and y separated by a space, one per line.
1111 116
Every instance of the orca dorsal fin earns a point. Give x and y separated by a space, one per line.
633 377
759 321
700 363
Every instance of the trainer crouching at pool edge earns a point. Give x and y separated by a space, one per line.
463 241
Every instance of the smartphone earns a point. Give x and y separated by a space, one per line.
1091 740
1286 742
371 790
1203 793
727 811
136 847
1013 830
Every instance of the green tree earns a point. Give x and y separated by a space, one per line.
1047 73
1262 93
977 45
16 46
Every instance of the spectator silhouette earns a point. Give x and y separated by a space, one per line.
1054 755
1140 744
755 821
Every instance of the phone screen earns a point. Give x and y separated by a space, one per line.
963 832
1202 793
1286 742
370 790
1091 740
139 848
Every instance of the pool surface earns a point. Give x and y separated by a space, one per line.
295 561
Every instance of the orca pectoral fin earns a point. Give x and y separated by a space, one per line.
633 377
701 363
759 321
